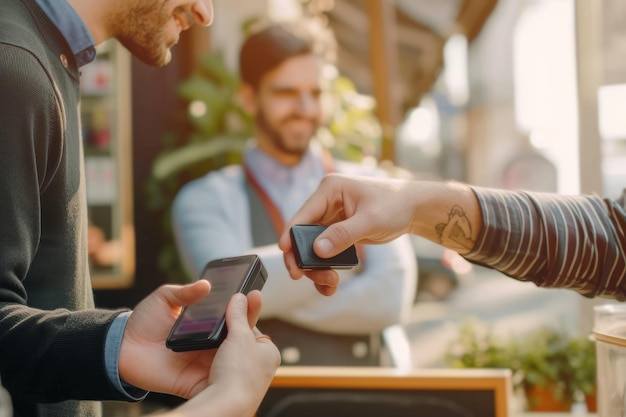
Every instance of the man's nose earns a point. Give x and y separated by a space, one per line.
202 11
308 105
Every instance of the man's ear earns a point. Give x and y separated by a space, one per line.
247 97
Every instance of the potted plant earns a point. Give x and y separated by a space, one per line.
551 367
557 367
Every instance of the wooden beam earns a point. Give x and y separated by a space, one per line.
589 33
194 43
384 60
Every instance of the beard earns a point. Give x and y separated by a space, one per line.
297 147
141 30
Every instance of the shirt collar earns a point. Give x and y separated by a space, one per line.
269 170
72 27
287 187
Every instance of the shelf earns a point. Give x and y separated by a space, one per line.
106 123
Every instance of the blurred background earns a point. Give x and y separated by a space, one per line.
518 94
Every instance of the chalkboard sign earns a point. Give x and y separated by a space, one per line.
382 392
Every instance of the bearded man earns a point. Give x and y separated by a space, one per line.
241 209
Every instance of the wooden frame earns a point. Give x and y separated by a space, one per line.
365 379
121 273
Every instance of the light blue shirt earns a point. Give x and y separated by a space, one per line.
73 29
81 42
211 219
287 186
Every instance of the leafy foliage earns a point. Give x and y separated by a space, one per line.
546 357
208 133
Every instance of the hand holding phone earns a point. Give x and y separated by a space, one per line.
203 325
302 238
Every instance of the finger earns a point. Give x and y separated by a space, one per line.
237 313
325 281
284 242
292 267
187 294
339 237
255 302
263 338
311 212
325 290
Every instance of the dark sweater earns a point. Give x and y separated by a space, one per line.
51 337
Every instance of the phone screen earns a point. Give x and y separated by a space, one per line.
205 316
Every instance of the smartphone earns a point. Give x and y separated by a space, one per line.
302 237
203 325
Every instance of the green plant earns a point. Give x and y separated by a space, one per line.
555 358
212 128
207 133
479 347
545 357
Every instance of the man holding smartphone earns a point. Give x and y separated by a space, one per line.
203 325
57 352
241 209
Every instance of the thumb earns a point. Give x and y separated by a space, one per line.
187 294
337 238
237 312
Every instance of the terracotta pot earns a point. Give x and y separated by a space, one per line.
543 399
592 404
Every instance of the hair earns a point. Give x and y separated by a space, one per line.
268 47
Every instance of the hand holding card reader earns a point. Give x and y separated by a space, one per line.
302 237
203 325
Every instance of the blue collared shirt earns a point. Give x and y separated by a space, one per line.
287 186
73 29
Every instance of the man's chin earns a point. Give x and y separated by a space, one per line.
297 149
157 60
166 59
148 56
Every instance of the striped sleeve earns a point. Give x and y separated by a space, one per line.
555 241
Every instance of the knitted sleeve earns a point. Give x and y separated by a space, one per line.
45 356
557 241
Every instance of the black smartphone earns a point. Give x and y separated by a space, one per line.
203 325
302 237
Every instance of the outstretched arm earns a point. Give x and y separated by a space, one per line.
374 210
555 241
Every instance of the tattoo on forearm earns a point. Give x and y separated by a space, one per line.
457 232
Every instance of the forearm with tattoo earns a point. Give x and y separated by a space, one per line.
457 232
